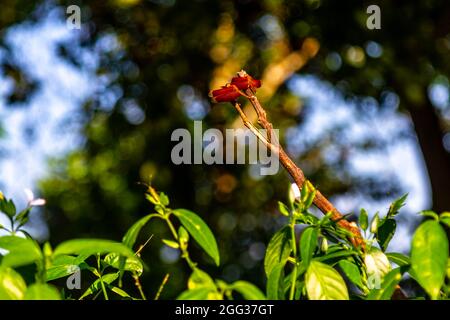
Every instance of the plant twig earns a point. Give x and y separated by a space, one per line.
321 202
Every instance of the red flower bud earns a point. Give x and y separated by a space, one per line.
228 93
245 82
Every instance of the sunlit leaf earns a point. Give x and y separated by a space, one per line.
248 290
65 265
308 243
429 255
324 283
12 286
132 264
21 251
200 278
199 231
274 286
130 237
92 246
278 250
201 293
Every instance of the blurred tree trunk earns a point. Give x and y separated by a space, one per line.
437 159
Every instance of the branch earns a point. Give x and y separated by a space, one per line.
321 202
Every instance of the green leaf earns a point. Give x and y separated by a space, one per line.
388 286
8 207
97 284
21 251
171 243
363 219
120 292
429 255
430 214
23 216
200 278
351 270
374 223
385 232
396 206
130 237
65 265
42 291
278 249
308 244
283 209
274 287
12 286
445 218
336 254
399 259
324 283
92 246
199 231
132 264
164 199
248 290
201 293
377 265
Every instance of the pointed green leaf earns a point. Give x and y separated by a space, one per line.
324 283
199 231
363 219
275 281
283 209
130 237
278 250
308 244
396 206
351 270
429 255
171 243
8 207
92 246
385 232
248 290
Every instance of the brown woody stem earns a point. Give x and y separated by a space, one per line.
321 202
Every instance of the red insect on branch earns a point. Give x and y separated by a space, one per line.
244 85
